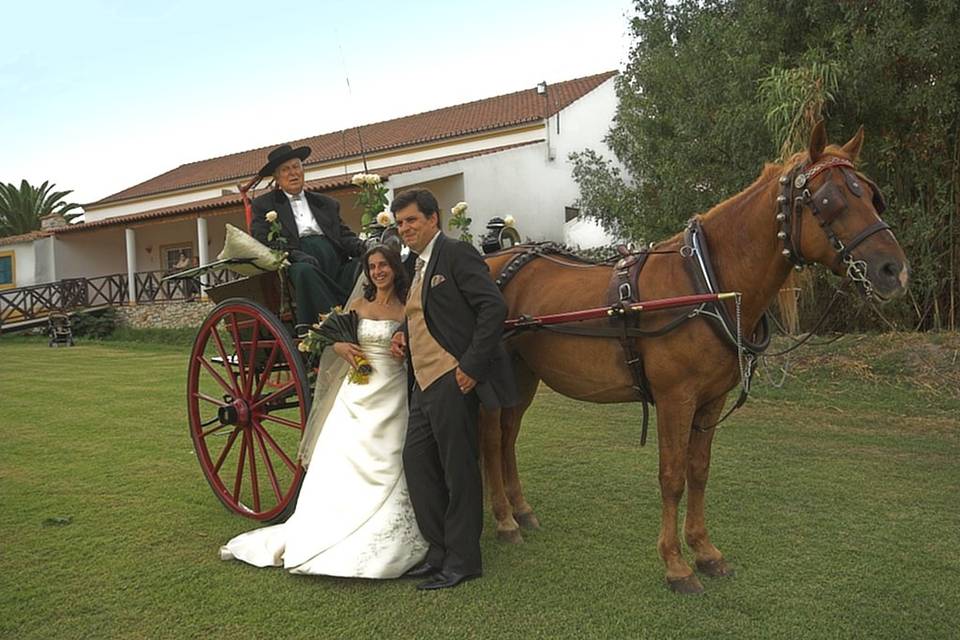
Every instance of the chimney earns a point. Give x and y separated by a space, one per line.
52 221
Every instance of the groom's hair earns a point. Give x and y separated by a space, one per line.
426 202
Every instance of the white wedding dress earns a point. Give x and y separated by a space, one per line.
353 517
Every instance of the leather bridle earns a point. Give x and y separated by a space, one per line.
826 205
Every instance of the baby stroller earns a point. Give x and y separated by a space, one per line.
59 330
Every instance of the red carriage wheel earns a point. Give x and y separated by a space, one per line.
245 429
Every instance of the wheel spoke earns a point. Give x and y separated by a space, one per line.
273 444
209 367
226 450
283 421
253 356
212 430
241 365
279 393
235 391
266 370
214 401
271 474
239 481
253 471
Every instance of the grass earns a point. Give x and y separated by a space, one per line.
835 497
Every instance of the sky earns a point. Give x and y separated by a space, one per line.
97 96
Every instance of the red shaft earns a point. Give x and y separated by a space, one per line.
605 312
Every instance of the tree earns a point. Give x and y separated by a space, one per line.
21 209
714 88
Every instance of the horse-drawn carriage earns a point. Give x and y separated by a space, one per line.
248 389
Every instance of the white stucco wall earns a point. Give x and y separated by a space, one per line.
24 263
525 182
90 254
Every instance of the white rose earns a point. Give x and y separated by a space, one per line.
303 346
385 219
459 208
271 216
359 179
508 221
373 178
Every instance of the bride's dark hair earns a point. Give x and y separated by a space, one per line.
401 285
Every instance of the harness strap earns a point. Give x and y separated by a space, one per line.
705 281
876 227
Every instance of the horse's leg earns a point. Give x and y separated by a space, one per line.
674 418
709 559
527 384
490 441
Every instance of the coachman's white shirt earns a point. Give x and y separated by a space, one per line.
306 223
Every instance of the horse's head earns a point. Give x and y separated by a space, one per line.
830 214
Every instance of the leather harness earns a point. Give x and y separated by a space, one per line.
826 205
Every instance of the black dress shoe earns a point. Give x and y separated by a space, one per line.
422 570
446 580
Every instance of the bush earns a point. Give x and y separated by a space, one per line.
95 324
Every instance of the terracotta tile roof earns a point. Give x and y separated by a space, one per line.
222 203
25 237
472 117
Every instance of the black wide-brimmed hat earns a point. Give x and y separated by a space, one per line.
280 155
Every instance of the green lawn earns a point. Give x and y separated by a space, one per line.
837 498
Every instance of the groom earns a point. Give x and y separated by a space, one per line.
455 317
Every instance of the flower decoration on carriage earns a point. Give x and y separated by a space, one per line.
338 326
509 221
459 220
372 198
385 218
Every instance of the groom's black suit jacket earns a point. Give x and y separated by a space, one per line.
325 210
464 312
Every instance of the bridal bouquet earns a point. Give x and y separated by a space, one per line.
338 326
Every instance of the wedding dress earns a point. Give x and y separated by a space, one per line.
353 516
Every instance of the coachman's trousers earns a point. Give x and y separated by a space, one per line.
319 290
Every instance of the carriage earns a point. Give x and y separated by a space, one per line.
248 389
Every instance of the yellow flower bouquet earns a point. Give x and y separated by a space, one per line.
338 326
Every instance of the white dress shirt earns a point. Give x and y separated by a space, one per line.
306 223
428 250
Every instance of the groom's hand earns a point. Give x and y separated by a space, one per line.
465 382
398 344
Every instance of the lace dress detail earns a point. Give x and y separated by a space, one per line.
353 516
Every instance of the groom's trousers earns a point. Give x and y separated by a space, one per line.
442 467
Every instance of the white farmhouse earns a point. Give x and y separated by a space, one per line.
506 155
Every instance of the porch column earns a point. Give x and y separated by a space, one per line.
131 265
202 239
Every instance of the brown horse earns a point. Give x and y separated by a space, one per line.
753 240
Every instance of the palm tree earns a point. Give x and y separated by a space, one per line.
21 209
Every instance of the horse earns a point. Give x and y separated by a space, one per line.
813 208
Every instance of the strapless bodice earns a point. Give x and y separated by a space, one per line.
376 333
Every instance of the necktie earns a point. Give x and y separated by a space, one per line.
418 272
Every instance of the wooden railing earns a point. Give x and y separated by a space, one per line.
37 301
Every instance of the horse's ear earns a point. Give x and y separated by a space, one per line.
853 147
818 140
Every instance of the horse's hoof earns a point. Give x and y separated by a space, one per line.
715 568
527 520
688 585
510 536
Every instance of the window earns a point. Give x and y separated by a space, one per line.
7 270
176 257
570 213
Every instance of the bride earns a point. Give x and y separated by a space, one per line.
353 517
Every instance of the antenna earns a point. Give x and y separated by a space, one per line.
363 155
